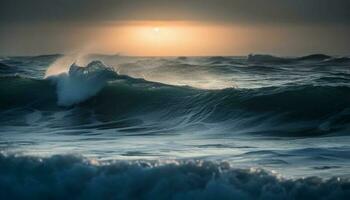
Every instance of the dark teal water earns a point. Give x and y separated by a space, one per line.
187 127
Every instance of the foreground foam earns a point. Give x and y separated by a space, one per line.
69 177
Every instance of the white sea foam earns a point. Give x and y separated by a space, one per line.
69 177
80 83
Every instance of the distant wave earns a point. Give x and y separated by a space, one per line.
315 57
340 60
6 68
69 177
260 58
270 59
218 59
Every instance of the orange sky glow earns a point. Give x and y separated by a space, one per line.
175 38
178 38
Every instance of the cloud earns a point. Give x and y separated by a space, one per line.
235 11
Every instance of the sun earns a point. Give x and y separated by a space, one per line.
156 29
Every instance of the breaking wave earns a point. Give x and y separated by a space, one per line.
80 83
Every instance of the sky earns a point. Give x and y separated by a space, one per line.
175 27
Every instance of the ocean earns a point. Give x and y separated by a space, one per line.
120 127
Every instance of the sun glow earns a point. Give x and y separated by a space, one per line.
164 38
156 30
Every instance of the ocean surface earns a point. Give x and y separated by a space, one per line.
118 127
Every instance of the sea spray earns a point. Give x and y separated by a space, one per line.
62 64
80 83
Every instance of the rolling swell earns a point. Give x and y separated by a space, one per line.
17 91
317 109
303 101
99 92
69 177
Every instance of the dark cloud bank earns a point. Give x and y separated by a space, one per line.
254 11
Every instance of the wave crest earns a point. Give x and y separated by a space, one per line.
80 83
